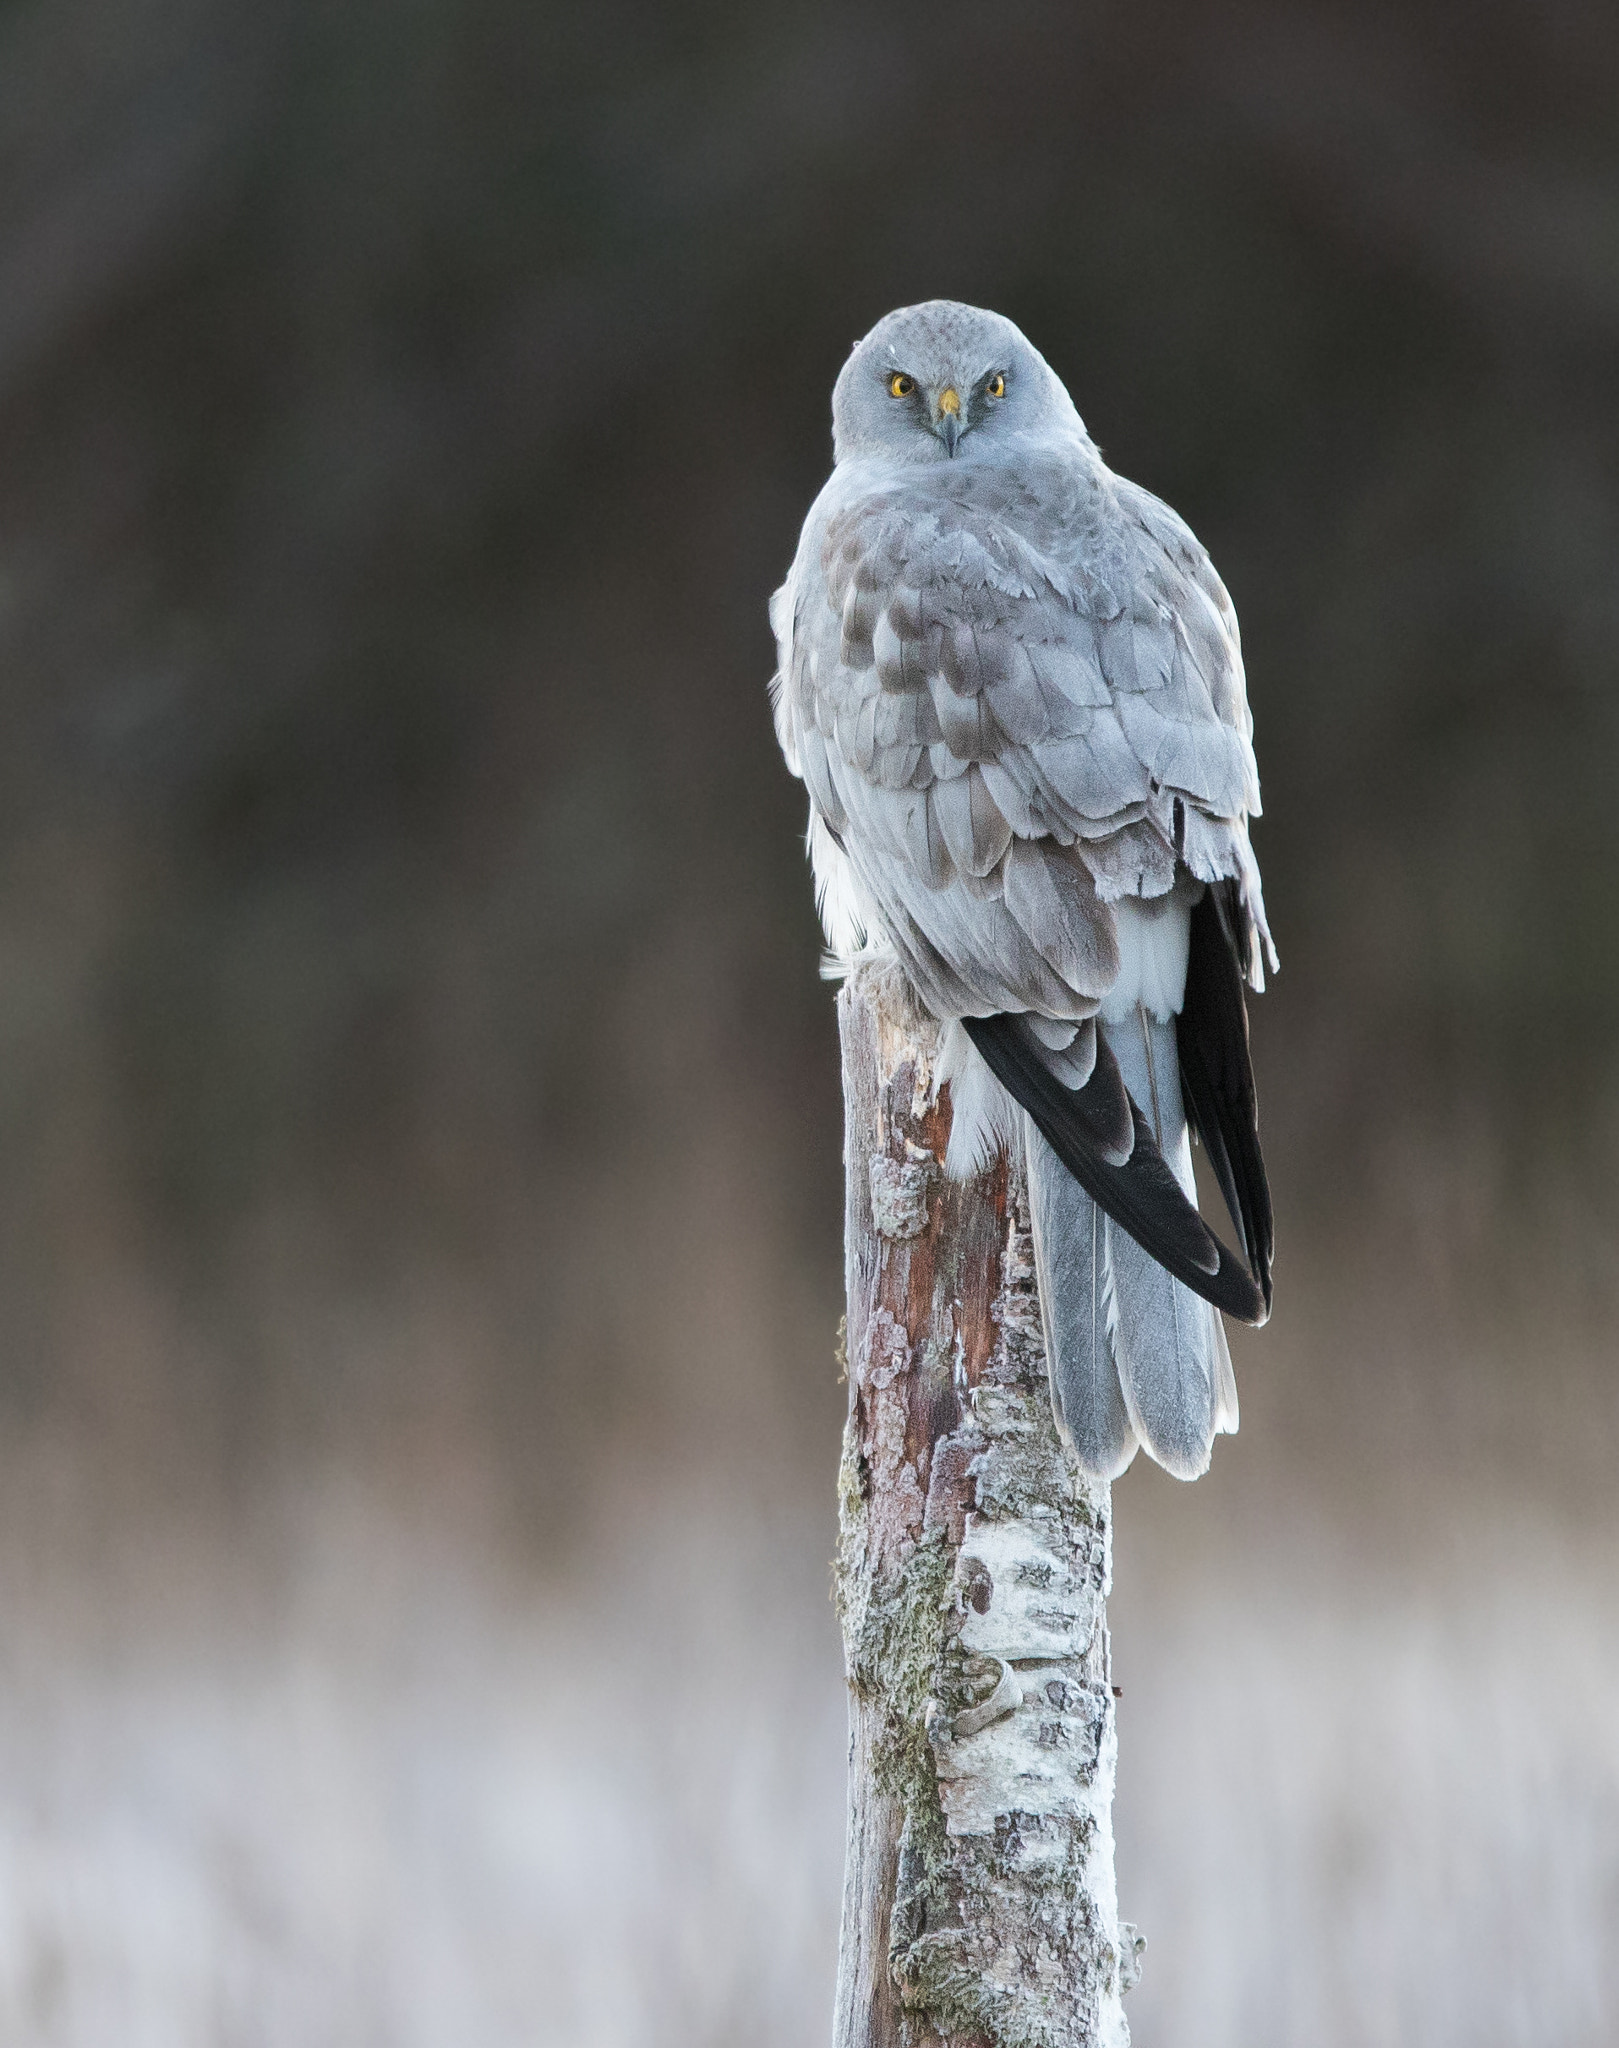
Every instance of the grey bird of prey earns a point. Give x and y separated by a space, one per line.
1012 684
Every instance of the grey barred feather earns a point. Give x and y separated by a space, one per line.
1136 860
1051 895
1078 1311
974 828
1012 683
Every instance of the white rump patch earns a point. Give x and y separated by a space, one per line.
1155 935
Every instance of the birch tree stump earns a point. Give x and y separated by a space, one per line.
979 1908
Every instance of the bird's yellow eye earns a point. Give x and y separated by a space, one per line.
996 387
901 386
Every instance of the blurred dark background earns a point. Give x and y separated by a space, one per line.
419 1124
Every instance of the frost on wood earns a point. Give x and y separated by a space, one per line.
979 1907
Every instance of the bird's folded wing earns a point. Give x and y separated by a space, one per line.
1101 1136
1217 1080
1014 701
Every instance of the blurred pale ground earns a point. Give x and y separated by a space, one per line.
419 1191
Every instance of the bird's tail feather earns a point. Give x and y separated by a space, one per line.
1173 1366
1078 1311
1225 1395
1134 1356
1168 1363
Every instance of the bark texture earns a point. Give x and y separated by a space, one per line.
973 1567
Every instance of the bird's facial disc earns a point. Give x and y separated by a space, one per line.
937 404
931 380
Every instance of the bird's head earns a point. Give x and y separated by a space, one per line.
941 379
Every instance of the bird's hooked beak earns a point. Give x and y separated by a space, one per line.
947 418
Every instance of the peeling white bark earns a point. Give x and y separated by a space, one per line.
973 1567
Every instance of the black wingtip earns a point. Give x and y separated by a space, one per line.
1141 1194
1217 1077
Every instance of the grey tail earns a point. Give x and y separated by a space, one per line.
1174 1368
1135 1356
1077 1309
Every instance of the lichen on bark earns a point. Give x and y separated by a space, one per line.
971 1579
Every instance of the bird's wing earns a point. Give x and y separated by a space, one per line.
1014 701
1212 826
